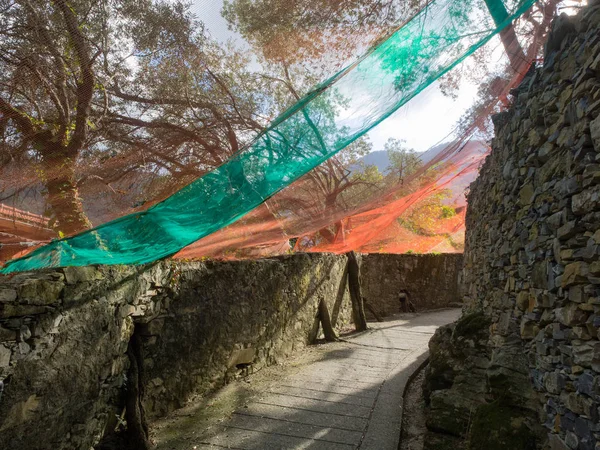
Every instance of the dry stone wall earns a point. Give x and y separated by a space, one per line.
521 369
64 336
230 319
431 281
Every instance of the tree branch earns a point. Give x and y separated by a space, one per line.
61 99
85 85
24 123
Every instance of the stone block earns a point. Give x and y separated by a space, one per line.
567 231
22 412
554 382
7 295
588 253
571 315
450 413
576 294
74 275
22 350
545 152
586 201
581 333
243 356
575 273
24 333
587 354
546 300
595 128
40 291
533 301
529 329
571 440
585 384
547 316
526 195
8 310
5 353
127 310
539 275
7 334
576 370
523 300
152 328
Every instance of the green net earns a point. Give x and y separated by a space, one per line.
329 118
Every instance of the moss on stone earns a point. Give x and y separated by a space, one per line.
448 414
497 427
470 325
439 375
436 441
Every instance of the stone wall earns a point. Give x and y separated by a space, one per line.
521 369
64 336
431 281
227 315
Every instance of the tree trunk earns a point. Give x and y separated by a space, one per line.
327 235
516 55
340 233
62 195
325 319
333 238
358 310
511 44
375 313
339 229
137 428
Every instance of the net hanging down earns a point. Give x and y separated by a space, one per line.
326 120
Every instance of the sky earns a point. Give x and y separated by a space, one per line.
422 123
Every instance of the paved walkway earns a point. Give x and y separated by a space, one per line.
350 397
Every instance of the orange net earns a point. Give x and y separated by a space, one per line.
375 226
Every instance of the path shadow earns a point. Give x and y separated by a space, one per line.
335 405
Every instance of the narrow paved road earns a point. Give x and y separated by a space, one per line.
349 396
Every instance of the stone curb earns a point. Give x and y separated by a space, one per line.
385 422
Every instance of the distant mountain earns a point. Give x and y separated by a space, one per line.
380 158
432 152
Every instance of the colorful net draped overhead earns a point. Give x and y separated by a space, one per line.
373 227
326 120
